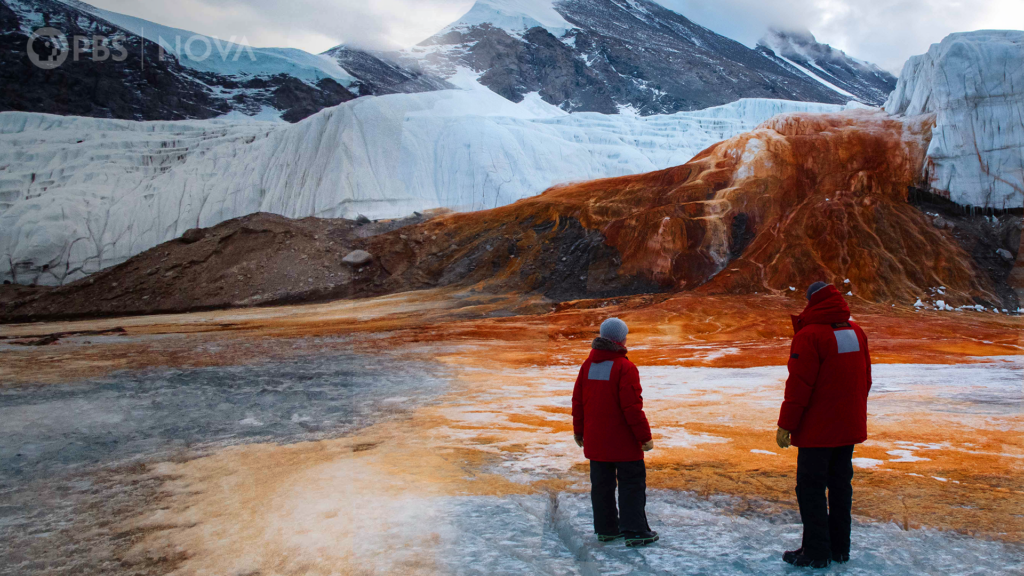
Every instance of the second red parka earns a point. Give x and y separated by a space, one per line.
608 408
829 376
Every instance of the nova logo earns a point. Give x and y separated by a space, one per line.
49 48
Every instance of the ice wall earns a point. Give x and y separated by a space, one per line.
974 84
81 194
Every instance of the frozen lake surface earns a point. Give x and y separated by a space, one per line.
63 449
543 535
54 428
69 454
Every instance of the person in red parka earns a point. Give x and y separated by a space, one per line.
824 414
608 421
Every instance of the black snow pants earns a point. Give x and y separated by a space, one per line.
826 520
630 515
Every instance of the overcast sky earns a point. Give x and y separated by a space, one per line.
885 32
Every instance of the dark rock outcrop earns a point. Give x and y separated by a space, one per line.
157 90
378 75
300 100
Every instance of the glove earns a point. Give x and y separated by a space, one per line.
648 446
782 438
579 440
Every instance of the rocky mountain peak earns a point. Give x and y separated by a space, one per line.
515 16
801 52
612 56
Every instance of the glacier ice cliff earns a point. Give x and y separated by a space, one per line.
974 84
81 194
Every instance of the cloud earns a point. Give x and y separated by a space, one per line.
311 25
885 32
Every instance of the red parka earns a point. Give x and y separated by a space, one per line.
608 408
829 376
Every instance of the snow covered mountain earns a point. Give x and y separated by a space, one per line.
80 194
514 16
801 52
163 90
973 82
360 71
226 58
607 56
172 74
610 56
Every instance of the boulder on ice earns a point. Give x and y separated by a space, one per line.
973 82
358 258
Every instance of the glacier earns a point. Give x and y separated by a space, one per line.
80 194
974 84
226 57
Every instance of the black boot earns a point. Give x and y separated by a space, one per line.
797 558
634 539
841 558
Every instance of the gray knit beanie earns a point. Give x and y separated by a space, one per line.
614 330
814 288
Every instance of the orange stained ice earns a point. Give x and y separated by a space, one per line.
376 500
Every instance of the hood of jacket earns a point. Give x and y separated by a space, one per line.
827 306
605 349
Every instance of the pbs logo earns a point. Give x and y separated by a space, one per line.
48 48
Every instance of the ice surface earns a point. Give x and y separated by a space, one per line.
554 535
974 83
154 413
80 194
989 388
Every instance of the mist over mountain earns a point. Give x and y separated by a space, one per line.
801 52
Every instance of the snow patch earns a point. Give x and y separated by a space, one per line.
905 456
515 16
867 463
673 437
747 166
817 78
266 114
